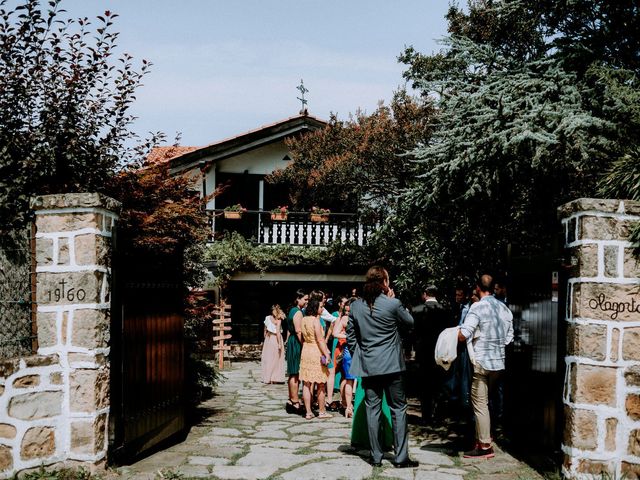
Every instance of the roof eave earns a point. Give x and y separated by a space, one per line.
245 142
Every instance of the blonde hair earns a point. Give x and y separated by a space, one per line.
277 312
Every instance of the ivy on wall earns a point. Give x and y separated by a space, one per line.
235 254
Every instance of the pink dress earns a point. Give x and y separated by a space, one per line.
272 361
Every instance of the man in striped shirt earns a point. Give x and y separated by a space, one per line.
489 325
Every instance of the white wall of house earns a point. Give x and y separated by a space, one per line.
260 161
210 185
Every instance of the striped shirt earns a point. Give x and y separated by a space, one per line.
489 323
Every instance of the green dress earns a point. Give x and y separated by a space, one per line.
359 430
336 384
332 347
294 347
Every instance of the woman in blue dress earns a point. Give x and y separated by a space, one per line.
342 359
294 349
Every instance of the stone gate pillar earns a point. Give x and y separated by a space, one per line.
602 380
73 297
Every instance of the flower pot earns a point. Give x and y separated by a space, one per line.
279 217
319 217
233 215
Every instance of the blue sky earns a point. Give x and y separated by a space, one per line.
225 67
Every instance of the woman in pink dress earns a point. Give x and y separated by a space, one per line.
272 361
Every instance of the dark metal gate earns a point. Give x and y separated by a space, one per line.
535 361
147 366
18 335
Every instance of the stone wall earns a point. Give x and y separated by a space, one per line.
54 405
602 382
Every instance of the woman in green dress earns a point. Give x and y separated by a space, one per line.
359 430
293 351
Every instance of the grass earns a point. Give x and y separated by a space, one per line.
237 456
168 474
59 474
555 475
306 450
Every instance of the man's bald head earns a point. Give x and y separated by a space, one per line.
485 283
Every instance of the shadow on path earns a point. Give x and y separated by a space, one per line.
245 433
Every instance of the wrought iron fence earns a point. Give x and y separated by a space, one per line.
17 295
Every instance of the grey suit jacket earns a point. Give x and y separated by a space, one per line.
373 337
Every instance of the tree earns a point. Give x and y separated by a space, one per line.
162 217
580 32
359 163
521 129
587 32
64 105
65 126
617 93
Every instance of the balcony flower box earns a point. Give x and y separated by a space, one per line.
279 217
320 214
280 214
234 212
316 217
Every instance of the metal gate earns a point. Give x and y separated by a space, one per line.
535 361
18 335
147 366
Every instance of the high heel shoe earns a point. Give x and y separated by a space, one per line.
348 412
293 408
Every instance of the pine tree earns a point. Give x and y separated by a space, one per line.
520 130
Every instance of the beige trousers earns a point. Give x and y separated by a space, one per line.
483 381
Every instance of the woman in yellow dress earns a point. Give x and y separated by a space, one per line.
314 358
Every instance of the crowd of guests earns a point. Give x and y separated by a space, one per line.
311 342
472 387
361 349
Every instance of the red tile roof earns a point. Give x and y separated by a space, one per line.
263 127
164 154
174 154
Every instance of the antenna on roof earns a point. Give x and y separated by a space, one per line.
303 90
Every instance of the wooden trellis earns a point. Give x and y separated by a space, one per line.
222 331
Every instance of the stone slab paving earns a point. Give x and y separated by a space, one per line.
250 437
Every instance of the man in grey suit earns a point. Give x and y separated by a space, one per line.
373 338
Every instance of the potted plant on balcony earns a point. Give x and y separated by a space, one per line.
280 213
234 211
320 214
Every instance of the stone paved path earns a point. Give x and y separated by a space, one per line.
248 435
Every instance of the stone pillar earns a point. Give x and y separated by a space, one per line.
73 236
602 380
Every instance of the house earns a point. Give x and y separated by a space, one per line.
241 163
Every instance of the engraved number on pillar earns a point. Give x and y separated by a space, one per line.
65 292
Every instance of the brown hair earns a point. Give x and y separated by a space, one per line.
313 306
277 312
374 284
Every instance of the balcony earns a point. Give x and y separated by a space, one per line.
297 229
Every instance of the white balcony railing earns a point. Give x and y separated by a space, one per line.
297 229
